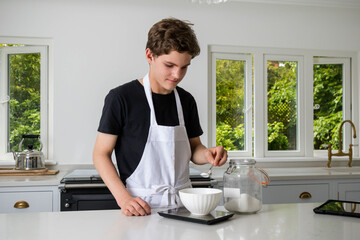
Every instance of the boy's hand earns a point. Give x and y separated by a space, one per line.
135 207
217 156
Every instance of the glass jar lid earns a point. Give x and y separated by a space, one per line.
247 161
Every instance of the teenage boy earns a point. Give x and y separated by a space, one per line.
153 127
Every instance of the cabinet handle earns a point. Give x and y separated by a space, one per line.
21 204
305 195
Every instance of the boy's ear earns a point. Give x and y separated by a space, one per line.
149 55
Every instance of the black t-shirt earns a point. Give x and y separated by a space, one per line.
126 113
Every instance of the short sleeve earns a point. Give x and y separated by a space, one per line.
111 118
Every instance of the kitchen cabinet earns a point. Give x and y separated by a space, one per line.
312 191
296 192
29 199
349 190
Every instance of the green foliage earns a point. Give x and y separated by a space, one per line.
230 104
277 140
282 104
326 129
24 105
230 92
232 139
328 93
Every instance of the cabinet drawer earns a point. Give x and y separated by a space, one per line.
296 193
349 191
40 201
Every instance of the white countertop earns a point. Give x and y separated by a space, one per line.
300 173
303 173
41 180
282 221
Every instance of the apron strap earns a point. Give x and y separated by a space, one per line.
179 108
147 89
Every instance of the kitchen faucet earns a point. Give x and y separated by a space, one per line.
340 152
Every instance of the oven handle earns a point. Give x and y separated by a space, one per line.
82 185
102 185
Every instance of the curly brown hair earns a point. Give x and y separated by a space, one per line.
171 34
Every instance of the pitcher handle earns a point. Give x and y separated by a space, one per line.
266 176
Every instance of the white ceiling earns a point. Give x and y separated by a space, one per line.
324 3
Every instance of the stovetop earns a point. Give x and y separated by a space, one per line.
86 176
82 176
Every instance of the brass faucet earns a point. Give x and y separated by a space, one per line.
340 152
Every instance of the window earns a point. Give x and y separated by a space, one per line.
332 98
280 102
232 104
24 96
283 113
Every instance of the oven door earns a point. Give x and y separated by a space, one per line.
81 198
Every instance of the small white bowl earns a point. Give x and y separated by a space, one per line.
200 201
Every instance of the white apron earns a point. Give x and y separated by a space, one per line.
164 166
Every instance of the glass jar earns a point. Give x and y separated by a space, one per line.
243 186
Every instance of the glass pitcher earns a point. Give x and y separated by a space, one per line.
243 186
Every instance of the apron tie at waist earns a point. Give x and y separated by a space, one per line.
170 195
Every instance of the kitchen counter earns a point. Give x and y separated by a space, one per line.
41 180
298 173
288 173
280 221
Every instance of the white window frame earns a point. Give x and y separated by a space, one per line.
300 150
247 152
305 94
32 45
347 93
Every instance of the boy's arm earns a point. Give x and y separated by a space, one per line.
103 149
216 156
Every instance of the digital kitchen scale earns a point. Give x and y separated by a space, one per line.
183 214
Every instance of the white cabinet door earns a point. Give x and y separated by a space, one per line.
28 199
349 191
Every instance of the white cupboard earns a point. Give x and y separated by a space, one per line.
302 191
29 199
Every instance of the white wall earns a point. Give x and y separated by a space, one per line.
99 44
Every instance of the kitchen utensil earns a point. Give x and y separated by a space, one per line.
29 158
183 214
200 201
207 174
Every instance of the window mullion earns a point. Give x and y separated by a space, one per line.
259 105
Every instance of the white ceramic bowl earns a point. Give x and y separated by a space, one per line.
200 201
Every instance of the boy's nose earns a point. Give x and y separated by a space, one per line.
176 73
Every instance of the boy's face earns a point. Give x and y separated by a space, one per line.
167 70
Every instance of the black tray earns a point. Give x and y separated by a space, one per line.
339 207
183 214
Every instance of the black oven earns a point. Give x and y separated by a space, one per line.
83 189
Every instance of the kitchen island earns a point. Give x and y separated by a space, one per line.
274 221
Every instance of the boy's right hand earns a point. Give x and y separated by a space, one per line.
135 207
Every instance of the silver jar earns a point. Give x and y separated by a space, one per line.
243 186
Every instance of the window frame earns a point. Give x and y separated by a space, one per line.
31 45
260 99
248 100
347 96
300 150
